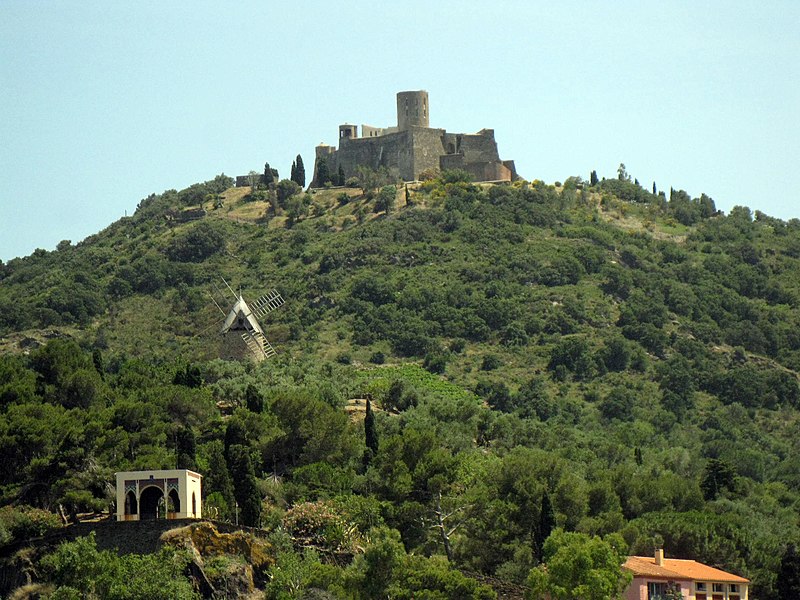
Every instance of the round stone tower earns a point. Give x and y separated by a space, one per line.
412 110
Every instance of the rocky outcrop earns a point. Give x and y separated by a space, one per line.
224 565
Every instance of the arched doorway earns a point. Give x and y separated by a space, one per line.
149 501
131 505
173 504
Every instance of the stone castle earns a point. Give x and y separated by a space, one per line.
413 147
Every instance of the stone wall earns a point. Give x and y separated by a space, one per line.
393 151
426 145
414 147
479 147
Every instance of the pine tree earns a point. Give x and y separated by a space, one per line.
300 172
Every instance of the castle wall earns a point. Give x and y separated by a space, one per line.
479 147
427 148
393 151
413 147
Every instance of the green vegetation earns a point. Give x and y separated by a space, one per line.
552 371
79 570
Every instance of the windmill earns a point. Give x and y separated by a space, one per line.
242 335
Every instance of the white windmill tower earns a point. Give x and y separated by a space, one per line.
242 335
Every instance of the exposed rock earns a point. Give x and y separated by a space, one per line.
224 565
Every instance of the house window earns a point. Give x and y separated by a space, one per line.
700 586
656 590
718 587
733 588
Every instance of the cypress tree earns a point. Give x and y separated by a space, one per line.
269 174
789 573
235 434
293 175
245 489
370 431
593 178
186 448
218 478
253 399
547 521
341 175
323 175
300 172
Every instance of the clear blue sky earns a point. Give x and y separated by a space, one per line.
105 102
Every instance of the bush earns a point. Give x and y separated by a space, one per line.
386 199
435 362
456 176
26 522
491 362
285 189
197 244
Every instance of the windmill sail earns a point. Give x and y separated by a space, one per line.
242 324
267 303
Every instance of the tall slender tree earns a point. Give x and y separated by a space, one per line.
789 573
370 431
245 488
186 447
269 175
323 174
547 521
300 172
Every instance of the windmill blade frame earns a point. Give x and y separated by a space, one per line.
267 303
243 323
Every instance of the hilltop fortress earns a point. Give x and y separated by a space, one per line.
413 147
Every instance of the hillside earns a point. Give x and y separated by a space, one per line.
610 360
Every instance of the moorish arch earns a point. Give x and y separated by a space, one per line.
158 494
150 501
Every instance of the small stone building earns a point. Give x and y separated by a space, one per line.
158 494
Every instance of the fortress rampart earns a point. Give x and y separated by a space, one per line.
413 147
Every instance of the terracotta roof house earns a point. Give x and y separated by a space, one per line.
655 576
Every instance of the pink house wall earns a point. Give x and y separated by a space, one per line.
637 590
